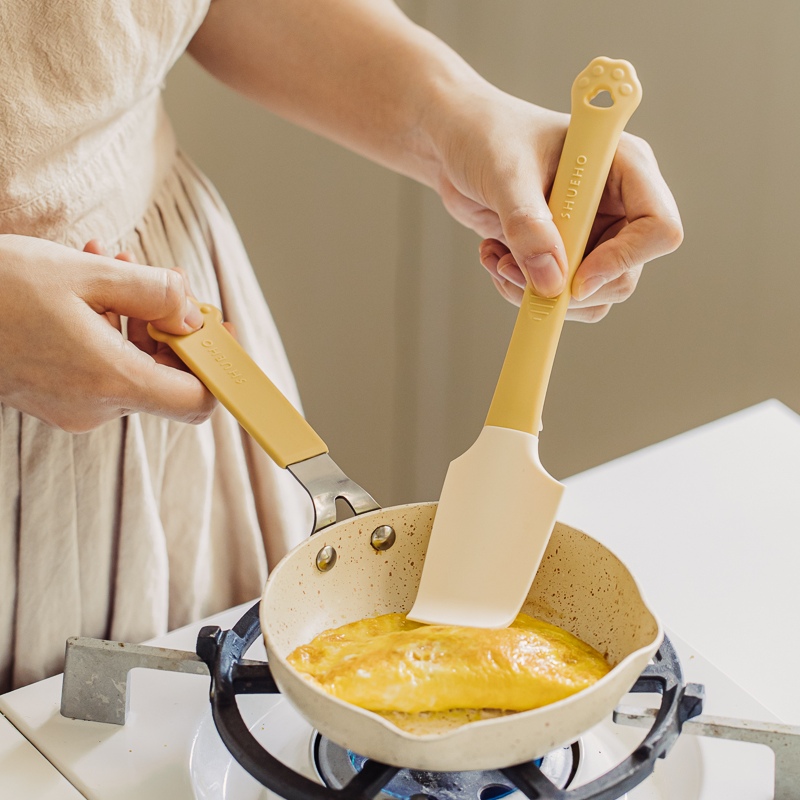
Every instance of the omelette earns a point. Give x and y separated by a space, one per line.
444 675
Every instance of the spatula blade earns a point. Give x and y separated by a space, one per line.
499 500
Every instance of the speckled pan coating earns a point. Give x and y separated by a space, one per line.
580 586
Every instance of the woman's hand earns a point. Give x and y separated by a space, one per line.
362 74
498 160
64 358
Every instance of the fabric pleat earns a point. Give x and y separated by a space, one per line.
9 536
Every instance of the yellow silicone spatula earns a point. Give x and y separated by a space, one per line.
498 504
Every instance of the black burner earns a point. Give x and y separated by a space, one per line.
337 766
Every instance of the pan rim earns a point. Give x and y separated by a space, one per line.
642 654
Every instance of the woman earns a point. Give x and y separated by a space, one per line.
117 519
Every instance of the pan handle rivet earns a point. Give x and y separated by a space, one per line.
326 558
383 537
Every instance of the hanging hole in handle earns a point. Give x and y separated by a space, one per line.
343 509
602 99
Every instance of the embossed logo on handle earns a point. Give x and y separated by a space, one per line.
223 361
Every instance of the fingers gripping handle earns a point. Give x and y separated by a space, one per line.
239 384
586 158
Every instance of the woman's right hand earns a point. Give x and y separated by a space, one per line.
63 358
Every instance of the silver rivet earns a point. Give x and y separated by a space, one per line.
383 537
326 558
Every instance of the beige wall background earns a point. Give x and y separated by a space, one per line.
394 331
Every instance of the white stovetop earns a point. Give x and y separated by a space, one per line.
722 495
26 773
155 755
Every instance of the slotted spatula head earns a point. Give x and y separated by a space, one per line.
498 504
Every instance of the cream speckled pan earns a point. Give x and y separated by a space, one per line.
580 586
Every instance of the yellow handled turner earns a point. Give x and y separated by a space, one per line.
498 504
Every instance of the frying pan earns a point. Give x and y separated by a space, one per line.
371 564
580 586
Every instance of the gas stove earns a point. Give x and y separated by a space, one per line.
720 615
169 746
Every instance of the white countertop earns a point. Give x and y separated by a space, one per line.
709 523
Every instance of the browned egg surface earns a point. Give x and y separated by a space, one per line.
425 678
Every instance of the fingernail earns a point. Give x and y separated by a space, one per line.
489 258
544 274
193 318
502 287
588 287
513 274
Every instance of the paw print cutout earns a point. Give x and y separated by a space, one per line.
604 75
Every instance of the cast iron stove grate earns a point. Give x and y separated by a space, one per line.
223 652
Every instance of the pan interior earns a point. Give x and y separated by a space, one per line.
581 586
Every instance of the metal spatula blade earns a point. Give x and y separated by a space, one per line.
498 504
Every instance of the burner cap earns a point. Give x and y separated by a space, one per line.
336 766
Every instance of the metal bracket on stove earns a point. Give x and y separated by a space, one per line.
96 672
783 740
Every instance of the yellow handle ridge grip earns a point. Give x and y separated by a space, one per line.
589 148
221 363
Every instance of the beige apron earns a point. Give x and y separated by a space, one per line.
142 525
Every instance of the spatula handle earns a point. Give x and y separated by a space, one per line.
239 384
589 149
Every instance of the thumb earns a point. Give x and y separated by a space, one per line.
532 237
156 295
